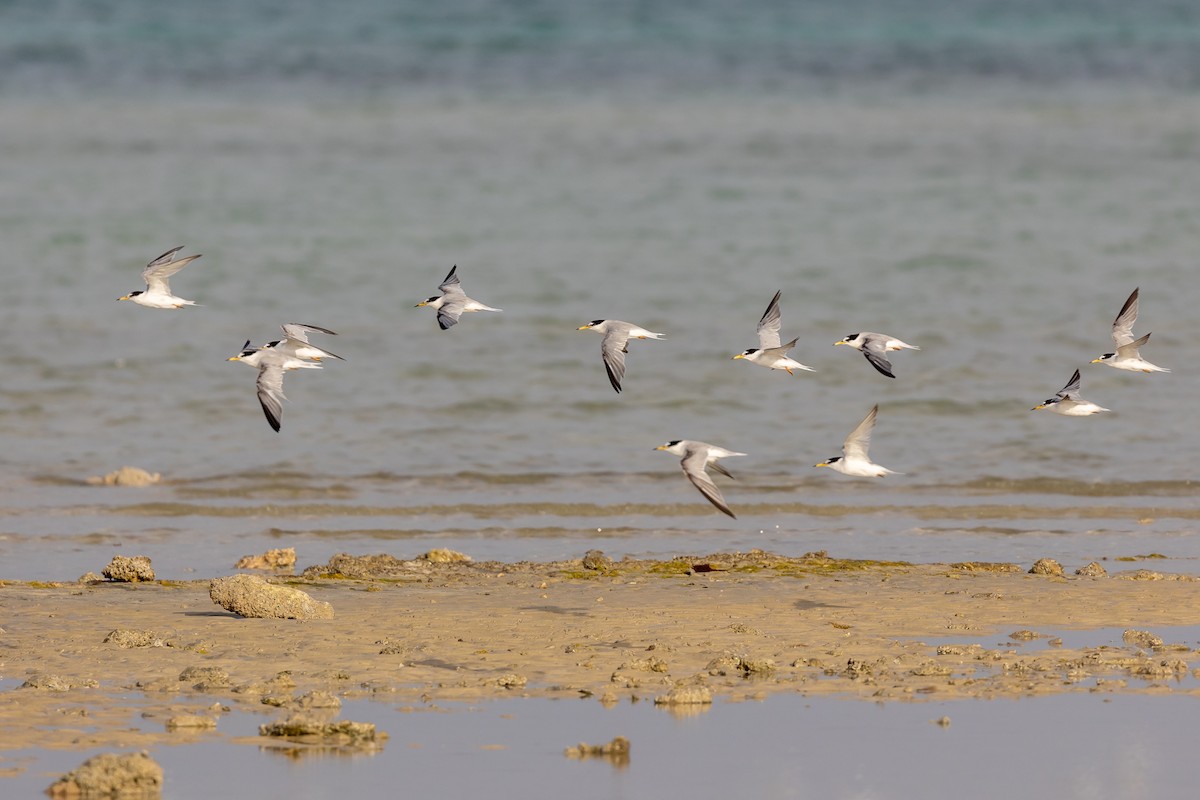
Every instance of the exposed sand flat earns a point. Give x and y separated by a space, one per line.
744 624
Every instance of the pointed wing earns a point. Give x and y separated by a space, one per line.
299 331
717 467
612 348
693 466
1122 329
859 440
451 284
451 309
165 258
1071 387
270 393
1130 350
160 269
780 351
768 326
875 352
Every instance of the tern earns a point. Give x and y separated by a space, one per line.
613 347
1069 403
1127 356
770 353
875 346
158 288
271 365
453 301
697 456
854 459
295 342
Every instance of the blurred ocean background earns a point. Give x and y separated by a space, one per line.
986 180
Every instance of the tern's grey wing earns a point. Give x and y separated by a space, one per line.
299 331
309 346
716 466
876 353
859 440
165 258
612 348
450 310
1071 387
768 326
451 284
270 392
693 467
780 351
1122 329
163 267
1130 349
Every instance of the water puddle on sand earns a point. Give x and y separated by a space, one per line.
1049 638
1165 643
1078 745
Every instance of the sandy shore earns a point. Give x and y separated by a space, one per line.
723 625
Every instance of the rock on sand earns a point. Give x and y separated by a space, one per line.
1046 566
279 558
252 596
129 569
111 775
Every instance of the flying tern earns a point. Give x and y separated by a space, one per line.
696 458
875 346
854 459
1127 356
158 288
614 345
770 353
453 301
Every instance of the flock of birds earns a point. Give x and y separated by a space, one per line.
294 351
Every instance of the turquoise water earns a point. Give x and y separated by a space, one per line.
519 45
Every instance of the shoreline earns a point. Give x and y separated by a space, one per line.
678 631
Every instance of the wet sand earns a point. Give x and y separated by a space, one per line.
730 625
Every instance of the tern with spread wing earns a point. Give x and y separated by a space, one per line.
874 347
770 353
1127 356
854 459
296 345
158 288
272 361
614 345
696 458
1068 401
453 301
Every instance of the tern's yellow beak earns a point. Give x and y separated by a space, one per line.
420 304
583 327
234 358
843 341
823 463
1038 408
1097 360
739 355
119 299
661 446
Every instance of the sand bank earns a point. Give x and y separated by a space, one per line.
724 625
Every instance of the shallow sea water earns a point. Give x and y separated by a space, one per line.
1001 235
988 183
1071 746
